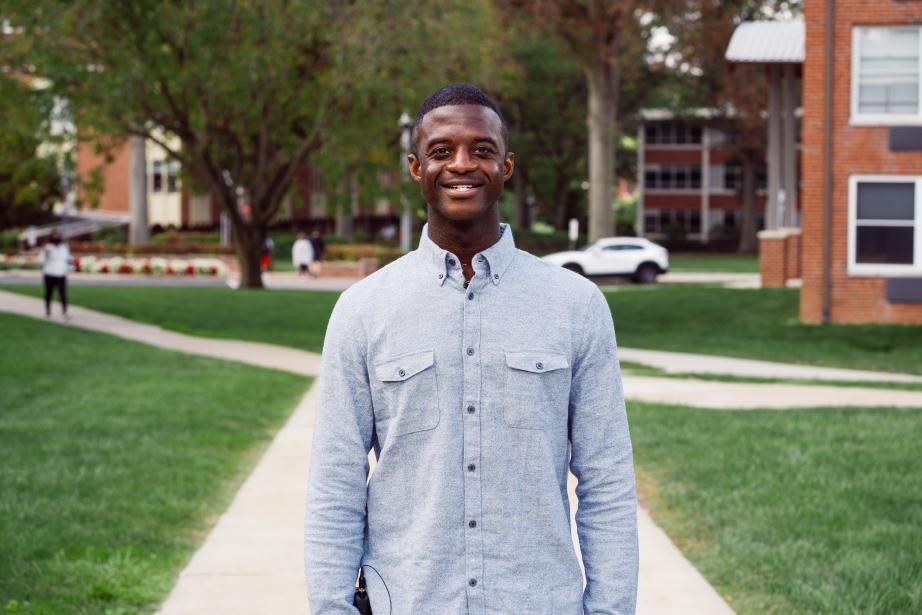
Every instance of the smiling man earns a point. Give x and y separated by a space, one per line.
479 375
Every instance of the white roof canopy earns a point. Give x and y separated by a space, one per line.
767 42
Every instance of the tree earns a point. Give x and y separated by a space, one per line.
544 105
30 179
702 31
244 86
593 32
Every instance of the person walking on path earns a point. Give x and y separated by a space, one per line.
479 374
302 254
55 263
319 246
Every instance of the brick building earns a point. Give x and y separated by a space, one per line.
689 180
862 162
168 203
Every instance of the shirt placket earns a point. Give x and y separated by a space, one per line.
472 424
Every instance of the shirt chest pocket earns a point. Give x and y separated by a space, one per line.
537 388
406 392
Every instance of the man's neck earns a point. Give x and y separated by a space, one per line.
464 239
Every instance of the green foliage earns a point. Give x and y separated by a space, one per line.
29 179
112 470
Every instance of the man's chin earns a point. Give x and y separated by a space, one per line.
460 210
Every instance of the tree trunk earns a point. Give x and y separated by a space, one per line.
137 193
249 245
561 196
603 102
749 242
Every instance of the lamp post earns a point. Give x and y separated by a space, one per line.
406 222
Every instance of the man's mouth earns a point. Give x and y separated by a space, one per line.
462 188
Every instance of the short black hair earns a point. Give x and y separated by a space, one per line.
457 94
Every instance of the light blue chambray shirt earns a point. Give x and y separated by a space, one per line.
476 401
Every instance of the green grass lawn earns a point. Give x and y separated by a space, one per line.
756 324
751 323
692 261
798 511
286 317
115 458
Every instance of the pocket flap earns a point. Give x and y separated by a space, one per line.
401 367
536 361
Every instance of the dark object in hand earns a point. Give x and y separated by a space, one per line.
361 601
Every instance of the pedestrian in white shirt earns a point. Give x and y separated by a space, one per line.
55 263
302 254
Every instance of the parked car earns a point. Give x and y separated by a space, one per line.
635 257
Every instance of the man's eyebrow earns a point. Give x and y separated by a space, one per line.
433 142
489 140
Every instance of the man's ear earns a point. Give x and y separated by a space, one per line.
414 165
508 165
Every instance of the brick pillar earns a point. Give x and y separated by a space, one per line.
792 254
773 258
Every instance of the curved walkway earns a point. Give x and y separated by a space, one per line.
251 562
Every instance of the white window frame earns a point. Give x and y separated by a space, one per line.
876 269
880 119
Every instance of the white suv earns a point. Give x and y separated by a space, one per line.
639 258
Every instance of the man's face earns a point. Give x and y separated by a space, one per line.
461 161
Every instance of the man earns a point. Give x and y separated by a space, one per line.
473 370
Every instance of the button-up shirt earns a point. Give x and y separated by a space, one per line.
477 401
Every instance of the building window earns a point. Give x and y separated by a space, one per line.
886 74
672 221
172 176
672 177
884 225
671 133
157 177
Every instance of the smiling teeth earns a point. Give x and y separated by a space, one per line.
461 188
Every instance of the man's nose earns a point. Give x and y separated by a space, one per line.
462 161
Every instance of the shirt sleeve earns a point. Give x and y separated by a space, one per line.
602 461
343 432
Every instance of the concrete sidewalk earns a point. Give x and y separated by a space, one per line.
687 363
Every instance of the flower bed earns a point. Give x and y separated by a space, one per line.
160 266
156 265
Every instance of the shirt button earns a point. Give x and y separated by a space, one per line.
471 467
495 276
470 351
452 262
472 582
539 365
470 409
401 372
471 523
470 296
441 275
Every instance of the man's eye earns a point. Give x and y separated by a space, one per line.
483 150
441 152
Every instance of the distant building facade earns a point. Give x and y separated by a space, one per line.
869 205
689 178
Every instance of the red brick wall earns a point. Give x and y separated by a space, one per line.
672 156
856 150
116 175
772 259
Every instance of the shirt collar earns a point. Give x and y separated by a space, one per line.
497 257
